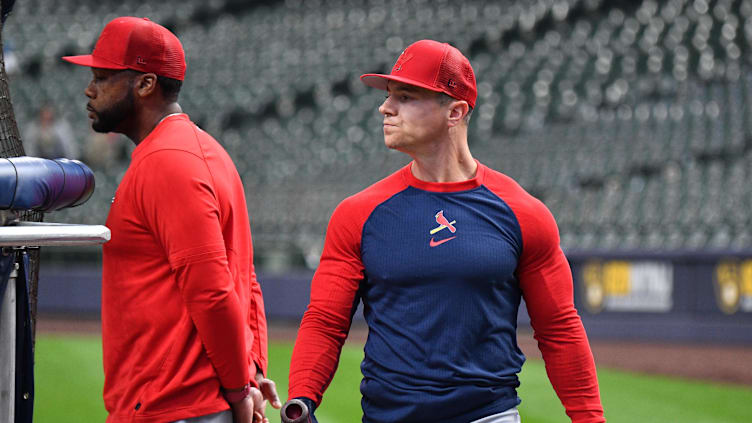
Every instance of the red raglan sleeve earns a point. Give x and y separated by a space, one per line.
179 204
546 282
326 322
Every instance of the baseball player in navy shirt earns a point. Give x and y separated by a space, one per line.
441 253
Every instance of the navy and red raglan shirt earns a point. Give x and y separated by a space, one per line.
441 269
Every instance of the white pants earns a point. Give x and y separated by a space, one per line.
221 417
509 416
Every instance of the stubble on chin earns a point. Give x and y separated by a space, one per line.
396 145
391 142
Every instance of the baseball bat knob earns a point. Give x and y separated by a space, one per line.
295 411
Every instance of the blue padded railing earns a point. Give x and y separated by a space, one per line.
31 183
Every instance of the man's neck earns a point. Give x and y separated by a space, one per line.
150 119
449 161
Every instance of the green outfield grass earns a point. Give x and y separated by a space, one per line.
69 385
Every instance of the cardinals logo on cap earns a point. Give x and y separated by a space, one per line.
404 58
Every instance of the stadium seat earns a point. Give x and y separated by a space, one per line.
622 117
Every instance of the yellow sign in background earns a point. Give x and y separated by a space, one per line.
620 285
733 285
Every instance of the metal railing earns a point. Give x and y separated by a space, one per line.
16 238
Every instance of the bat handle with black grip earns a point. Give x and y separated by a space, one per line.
295 411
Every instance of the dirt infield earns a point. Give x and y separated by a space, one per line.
719 363
711 362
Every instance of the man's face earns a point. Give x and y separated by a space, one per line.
111 100
414 118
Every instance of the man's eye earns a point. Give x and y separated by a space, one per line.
399 97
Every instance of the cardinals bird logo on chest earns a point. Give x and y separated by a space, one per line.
444 223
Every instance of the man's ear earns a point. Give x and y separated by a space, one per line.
146 84
457 111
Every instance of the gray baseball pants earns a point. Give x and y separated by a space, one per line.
221 417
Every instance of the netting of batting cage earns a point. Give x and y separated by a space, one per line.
11 146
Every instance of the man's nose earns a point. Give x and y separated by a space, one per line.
386 108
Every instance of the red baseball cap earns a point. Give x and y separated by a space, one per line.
434 66
138 44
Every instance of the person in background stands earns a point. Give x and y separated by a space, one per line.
50 136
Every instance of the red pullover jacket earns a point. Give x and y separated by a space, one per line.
182 313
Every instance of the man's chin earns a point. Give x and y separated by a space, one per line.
98 127
391 144
101 130
396 146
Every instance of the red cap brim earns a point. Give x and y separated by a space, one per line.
376 80
93 62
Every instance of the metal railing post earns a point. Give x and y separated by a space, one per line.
8 349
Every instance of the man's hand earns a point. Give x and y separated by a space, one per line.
252 409
268 391
243 410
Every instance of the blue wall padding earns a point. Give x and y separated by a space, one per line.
31 183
